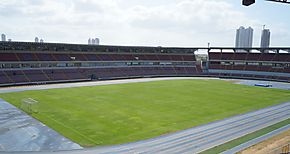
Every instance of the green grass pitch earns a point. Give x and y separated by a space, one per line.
121 113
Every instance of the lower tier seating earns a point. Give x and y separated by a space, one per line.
266 75
12 77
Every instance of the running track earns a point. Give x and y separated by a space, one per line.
198 139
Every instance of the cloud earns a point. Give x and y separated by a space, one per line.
197 20
125 22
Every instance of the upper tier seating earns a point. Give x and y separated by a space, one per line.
252 65
27 57
91 57
45 66
8 57
250 56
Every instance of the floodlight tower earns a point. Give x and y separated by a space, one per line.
248 2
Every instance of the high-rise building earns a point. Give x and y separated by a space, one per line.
3 37
93 41
97 41
244 37
36 40
265 38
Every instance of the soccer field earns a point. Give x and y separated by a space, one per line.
122 113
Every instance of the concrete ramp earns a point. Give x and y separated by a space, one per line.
21 132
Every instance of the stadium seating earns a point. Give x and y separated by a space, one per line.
274 66
35 63
39 63
8 57
91 57
34 76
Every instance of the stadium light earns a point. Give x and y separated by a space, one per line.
280 1
248 2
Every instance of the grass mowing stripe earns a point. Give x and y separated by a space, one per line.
246 138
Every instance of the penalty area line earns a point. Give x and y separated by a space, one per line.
74 130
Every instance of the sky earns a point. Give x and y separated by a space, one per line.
174 23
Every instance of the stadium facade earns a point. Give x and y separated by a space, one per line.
40 63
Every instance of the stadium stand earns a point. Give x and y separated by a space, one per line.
39 63
258 65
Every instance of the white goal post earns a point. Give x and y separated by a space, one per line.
29 105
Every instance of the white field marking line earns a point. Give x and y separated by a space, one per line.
212 131
130 148
252 131
257 140
31 99
216 136
90 139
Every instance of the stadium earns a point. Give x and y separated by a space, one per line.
134 99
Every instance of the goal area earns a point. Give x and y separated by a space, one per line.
29 105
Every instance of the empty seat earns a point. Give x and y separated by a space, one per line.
8 57
27 57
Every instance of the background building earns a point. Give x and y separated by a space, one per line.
97 41
244 37
3 37
265 38
93 41
36 40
